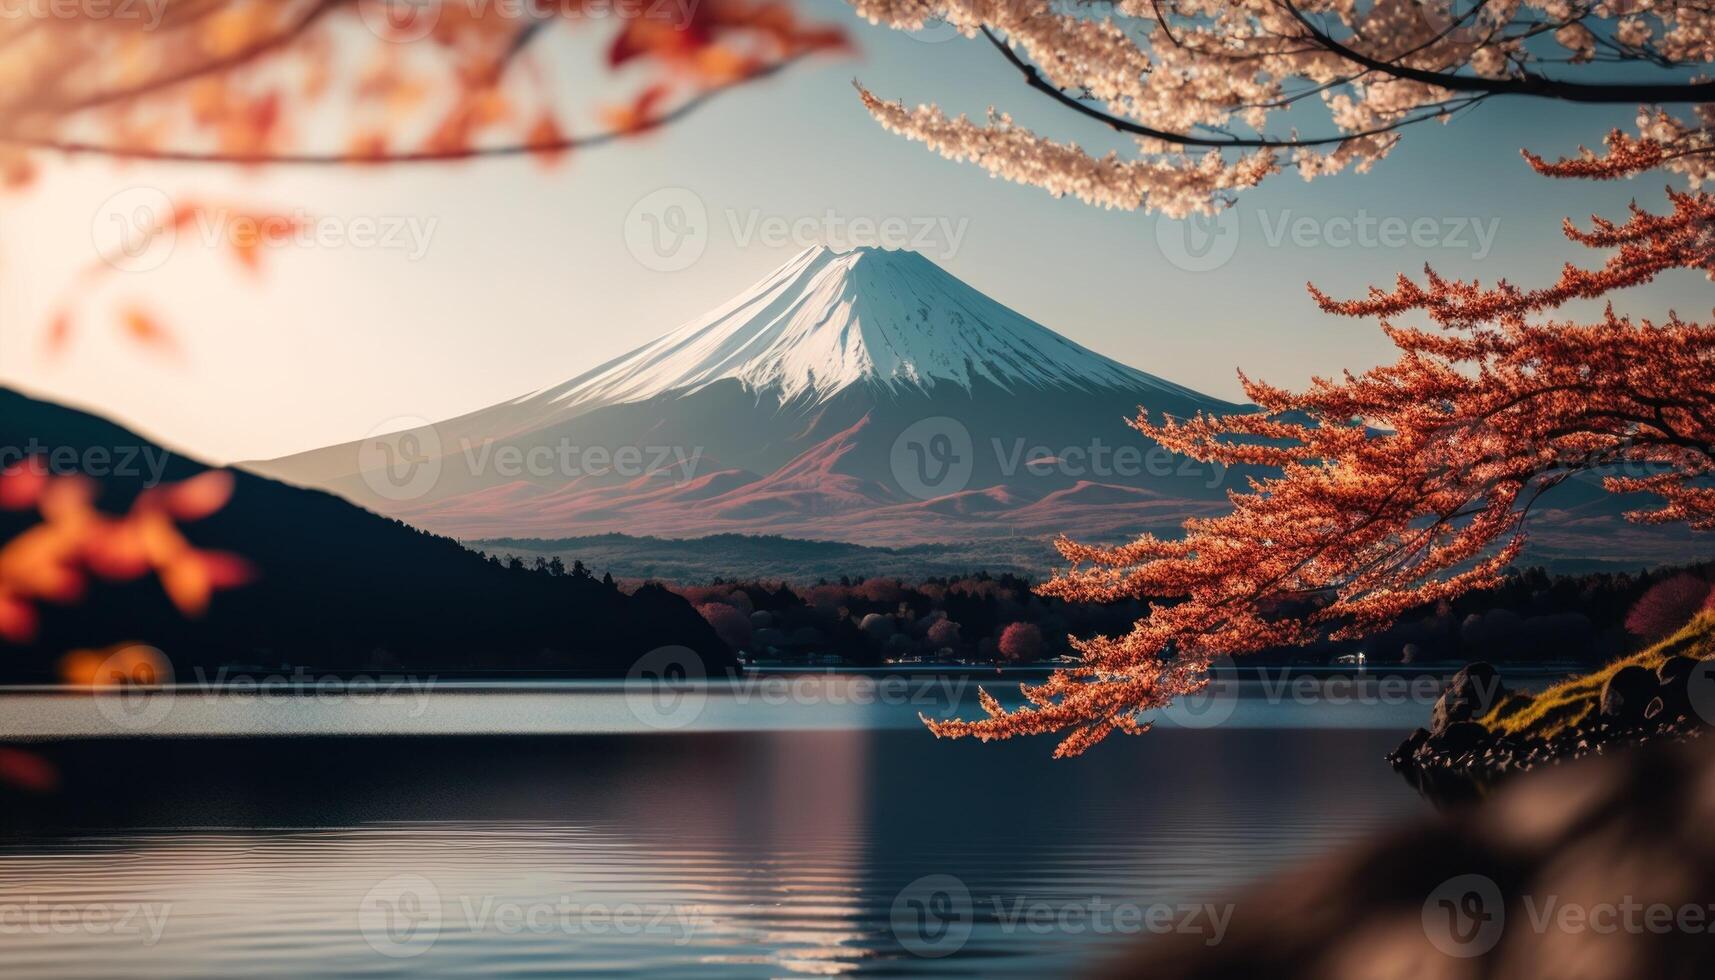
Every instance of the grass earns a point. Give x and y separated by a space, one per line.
1571 701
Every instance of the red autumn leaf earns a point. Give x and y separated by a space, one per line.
226 570
18 620
27 771
21 485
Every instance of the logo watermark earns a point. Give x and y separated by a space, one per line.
139 228
1203 243
144 463
145 922
937 456
405 915
404 21
934 916
1467 916
669 229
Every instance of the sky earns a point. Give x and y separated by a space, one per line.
439 290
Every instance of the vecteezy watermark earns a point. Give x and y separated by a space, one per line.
936 456
148 13
133 687
1464 916
1201 243
137 229
935 915
669 229
144 463
136 687
568 459
403 916
669 687
939 235
299 684
144 922
1213 705
933 457
1467 916
403 21
1700 689
402 459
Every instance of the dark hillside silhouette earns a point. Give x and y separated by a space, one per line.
337 588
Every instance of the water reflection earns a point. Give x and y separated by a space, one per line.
750 853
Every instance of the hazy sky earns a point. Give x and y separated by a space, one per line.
503 278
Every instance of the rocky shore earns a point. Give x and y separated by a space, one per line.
1480 730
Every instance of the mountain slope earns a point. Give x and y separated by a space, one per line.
339 589
828 320
814 403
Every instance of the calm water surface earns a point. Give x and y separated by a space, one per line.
747 835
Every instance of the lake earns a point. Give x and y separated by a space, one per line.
787 826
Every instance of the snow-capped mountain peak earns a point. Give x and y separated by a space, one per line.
827 320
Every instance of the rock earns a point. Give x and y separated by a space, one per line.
1459 738
1655 707
1449 709
1676 676
1627 693
1409 747
1471 693
1479 683
1675 669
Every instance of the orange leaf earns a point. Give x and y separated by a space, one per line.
367 147
146 330
21 485
188 584
162 542
546 140
68 500
39 563
117 551
639 115
200 496
59 334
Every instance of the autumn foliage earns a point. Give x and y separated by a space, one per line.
1407 484
1667 606
243 81
55 559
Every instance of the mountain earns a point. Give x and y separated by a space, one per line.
865 396
336 588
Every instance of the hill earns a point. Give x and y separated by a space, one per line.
336 588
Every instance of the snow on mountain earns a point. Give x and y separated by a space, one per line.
828 320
